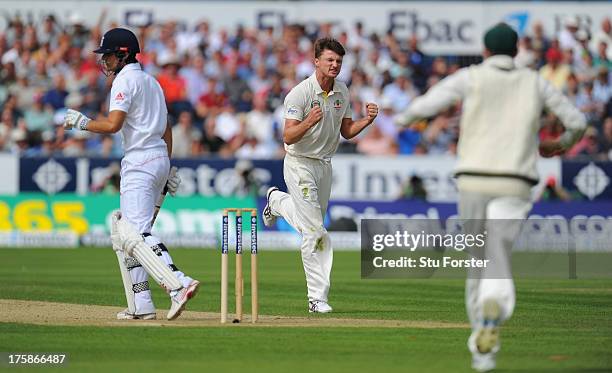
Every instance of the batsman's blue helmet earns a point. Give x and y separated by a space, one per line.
118 40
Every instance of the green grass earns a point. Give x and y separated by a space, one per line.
558 325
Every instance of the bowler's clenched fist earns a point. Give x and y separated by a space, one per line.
371 111
315 115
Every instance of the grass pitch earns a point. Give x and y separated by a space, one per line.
558 325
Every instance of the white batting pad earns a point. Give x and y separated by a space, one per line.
127 282
133 244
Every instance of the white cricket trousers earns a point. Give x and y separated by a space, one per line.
494 282
143 177
309 185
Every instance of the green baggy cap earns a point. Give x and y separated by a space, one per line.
501 39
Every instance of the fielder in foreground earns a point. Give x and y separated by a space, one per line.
317 112
496 169
138 109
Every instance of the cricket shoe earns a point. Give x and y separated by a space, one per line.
268 218
180 299
126 315
484 341
318 306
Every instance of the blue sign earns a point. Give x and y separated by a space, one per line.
590 180
209 177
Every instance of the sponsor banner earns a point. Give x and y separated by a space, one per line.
382 178
205 177
57 239
358 210
589 180
443 27
9 164
266 240
35 212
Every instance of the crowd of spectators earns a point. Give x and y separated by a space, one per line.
225 87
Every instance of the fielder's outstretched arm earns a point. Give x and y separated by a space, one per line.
439 97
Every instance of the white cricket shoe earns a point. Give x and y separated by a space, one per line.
268 218
126 315
318 306
484 342
180 299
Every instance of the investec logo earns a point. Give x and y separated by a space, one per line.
591 180
51 177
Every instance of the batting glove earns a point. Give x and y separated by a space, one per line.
76 119
115 238
173 182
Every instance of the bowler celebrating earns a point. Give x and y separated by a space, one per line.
138 109
317 112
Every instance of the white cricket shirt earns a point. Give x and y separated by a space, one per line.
321 140
140 96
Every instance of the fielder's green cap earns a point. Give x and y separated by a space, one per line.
501 39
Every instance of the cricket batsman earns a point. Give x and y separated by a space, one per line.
497 154
138 109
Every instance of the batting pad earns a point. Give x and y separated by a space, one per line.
133 244
127 282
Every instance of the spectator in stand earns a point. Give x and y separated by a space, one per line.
587 146
375 142
46 149
384 120
602 90
540 42
45 58
195 79
56 96
185 136
76 145
409 139
605 141
228 124
555 71
19 141
401 92
413 189
603 35
7 124
40 78
526 56
567 36
48 31
438 135
276 94
259 121
589 104
553 191
24 92
39 117
212 101
418 62
173 85
211 143
237 90
601 57
259 82
572 88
